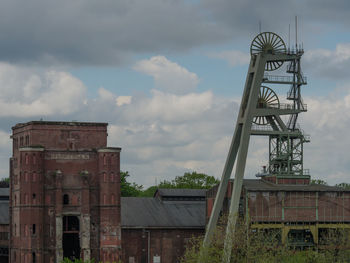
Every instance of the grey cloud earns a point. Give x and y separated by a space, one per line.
99 32
107 32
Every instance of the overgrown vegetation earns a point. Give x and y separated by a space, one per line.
67 260
192 180
261 246
5 182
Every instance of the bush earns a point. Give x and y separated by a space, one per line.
264 246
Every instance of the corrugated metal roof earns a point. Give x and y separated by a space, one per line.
260 185
4 191
4 213
138 212
181 192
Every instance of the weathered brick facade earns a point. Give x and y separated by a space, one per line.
150 244
64 193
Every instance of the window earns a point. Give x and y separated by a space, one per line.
34 198
34 177
112 199
104 160
104 199
27 140
33 257
34 159
26 158
104 177
33 229
66 199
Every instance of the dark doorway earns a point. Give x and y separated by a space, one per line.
70 239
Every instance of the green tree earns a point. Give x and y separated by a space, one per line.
345 186
149 192
5 182
192 180
127 188
318 181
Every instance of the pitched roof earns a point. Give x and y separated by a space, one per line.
138 212
181 192
4 213
261 185
4 191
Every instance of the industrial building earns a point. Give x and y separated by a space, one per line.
301 212
64 200
64 193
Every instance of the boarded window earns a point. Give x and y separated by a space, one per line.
66 199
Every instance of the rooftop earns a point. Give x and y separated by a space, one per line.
64 123
181 192
145 212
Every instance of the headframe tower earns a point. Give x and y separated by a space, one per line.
263 114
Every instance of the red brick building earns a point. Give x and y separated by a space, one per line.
64 193
301 211
159 229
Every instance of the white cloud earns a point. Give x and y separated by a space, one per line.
168 76
105 94
233 57
332 64
122 100
26 93
165 134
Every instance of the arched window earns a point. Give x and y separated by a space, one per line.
112 199
26 158
104 160
112 177
34 177
34 159
66 199
25 176
104 199
104 177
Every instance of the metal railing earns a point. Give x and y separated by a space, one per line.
256 127
287 79
283 106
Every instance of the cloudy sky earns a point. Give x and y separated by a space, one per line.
167 75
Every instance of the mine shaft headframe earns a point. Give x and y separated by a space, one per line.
267 98
270 43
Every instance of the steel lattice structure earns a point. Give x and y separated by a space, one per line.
261 113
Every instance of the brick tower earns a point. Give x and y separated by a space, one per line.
64 193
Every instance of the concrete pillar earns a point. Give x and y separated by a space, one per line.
59 249
314 232
85 236
285 231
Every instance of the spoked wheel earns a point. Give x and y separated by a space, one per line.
271 43
267 98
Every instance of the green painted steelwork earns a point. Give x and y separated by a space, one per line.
260 114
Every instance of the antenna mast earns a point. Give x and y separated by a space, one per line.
296 33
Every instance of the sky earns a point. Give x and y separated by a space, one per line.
168 75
